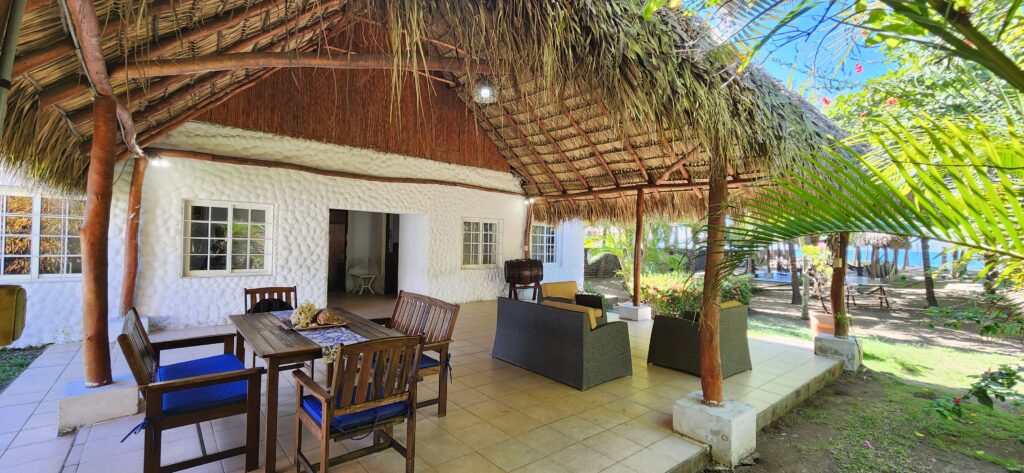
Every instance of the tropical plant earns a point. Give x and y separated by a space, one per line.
676 293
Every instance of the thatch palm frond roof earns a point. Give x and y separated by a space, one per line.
594 101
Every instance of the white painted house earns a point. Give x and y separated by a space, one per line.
208 230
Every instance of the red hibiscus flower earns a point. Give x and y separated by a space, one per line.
826 101
858 68
957 400
892 101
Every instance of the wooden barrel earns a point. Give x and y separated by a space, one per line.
523 271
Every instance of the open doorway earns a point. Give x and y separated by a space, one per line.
367 260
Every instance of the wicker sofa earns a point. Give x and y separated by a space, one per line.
559 344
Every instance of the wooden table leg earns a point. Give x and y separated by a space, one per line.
270 455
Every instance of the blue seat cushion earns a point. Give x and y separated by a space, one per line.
204 397
427 362
355 420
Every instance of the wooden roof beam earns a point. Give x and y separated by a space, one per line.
477 112
224 62
87 29
54 95
554 144
593 148
625 141
525 140
678 163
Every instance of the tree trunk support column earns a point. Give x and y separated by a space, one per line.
95 342
638 246
131 235
710 355
837 292
527 227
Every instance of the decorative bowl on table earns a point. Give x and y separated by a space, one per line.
307 317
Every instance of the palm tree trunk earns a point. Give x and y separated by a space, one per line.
929 283
794 281
906 256
804 310
837 292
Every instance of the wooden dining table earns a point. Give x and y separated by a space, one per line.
280 345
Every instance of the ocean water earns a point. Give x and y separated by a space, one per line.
915 258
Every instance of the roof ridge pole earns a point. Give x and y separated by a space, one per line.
710 356
638 245
13 15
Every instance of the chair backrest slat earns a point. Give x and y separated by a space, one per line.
253 296
375 370
416 314
137 348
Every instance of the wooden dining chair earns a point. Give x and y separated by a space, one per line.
191 392
436 324
267 299
374 388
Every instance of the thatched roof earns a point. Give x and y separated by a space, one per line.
592 97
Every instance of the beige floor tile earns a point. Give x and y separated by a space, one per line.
481 435
612 446
579 457
677 448
441 448
545 440
604 417
649 461
545 465
454 421
471 463
576 427
511 454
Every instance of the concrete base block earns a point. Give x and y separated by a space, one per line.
634 312
730 430
80 406
846 349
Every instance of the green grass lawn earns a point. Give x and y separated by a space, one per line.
949 367
14 361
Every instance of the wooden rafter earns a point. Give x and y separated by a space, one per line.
625 140
593 148
526 142
224 62
678 163
511 162
553 141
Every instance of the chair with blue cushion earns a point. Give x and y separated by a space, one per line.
190 392
373 388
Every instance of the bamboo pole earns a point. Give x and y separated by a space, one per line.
638 246
131 235
837 290
527 228
224 62
710 354
13 12
99 184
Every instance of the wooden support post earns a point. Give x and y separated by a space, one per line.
99 184
131 236
710 355
638 246
527 227
837 292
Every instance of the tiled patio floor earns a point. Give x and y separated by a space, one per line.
500 417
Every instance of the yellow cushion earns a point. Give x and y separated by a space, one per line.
561 290
12 313
592 313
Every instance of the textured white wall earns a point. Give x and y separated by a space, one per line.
570 254
431 238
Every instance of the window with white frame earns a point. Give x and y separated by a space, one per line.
223 238
544 243
479 243
40 235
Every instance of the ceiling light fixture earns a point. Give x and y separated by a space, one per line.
484 92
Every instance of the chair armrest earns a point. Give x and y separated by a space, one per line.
590 300
436 346
228 339
310 385
201 381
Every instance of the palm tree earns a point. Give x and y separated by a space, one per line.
929 282
794 281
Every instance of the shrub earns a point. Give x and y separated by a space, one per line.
675 293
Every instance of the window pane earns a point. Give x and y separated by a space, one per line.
239 230
240 215
256 247
51 246
17 246
74 246
200 213
50 265
197 262
18 204
18 225
76 208
199 229
74 226
51 226
258 216
17 265
467 227
218 262
218 230
258 231
218 247
199 246
256 262
238 262
50 206
74 265
219 214
239 247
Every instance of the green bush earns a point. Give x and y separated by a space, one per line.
675 293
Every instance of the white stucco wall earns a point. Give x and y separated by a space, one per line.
430 237
569 267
